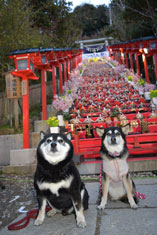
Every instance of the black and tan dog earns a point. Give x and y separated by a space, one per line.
57 180
117 183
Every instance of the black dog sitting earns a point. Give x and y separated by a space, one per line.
57 180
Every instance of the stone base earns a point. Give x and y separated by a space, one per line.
41 125
19 170
84 169
134 166
22 157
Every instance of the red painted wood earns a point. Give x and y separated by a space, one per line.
131 61
60 79
68 63
25 109
138 65
137 144
155 64
126 59
65 73
146 68
54 86
43 88
122 56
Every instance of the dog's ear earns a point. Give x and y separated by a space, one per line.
68 135
100 131
42 135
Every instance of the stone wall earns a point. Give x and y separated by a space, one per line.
7 143
10 143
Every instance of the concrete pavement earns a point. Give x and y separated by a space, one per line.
118 218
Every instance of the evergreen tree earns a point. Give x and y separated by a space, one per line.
34 23
54 18
16 32
91 19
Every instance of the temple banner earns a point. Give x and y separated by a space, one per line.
94 49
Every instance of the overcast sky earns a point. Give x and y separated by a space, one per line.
94 2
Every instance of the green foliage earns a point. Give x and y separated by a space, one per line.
55 19
52 121
130 78
69 91
91 19
34 23
66 116
35 111
141 82
111 62
80 71
132 19
153 93
51 23
115 112
16 32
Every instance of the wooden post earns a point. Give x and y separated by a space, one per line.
54 87
122 56
60 79
145 68
126 59
13 88
117 56
11 113
43 88
155 64
138 65
80 57
114 55
68 61
65 72
131 62
25 104
76 61
72 63
16 113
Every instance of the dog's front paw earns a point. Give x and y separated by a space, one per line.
81 224
51 212
134 206
38 222
101 207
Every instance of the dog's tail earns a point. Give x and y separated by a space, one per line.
136 199
125 199
85 196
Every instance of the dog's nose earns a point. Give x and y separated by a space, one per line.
53 145
113 139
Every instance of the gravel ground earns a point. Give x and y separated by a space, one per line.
19 194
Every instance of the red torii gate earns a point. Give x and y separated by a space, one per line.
145 47
46 60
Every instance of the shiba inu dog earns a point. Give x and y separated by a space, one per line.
57 180
117 183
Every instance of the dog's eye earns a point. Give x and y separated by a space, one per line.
60 141
109 134
117 134
48 141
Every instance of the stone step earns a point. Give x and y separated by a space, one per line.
84 168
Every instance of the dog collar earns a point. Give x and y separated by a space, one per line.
114 154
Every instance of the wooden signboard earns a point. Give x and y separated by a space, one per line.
13 86
24 87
